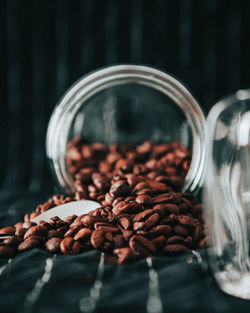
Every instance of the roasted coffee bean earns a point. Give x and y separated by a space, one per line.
144 199
89 221
69 246
83 234
175 239
101 240
118 241
127 208
125 223
159 242
9 230
181 230
127 234
164 198
12 242
32 242
175 249
119 188
55 233
53 244
36 231
20 232
106 227
148 222
124 255
141 246
186 221
7 252
164 230
203 243
72 231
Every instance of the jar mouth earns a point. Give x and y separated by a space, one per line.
89 85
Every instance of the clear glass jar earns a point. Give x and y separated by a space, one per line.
226 194
127 104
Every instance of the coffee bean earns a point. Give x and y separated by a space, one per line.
124 223
29 244
175 249
7 252
29 224
119 188
118 241
69 246
144 199
83 234
101 240
106 227
164 230
186 221
53 244
36 231
73 230
55 233
141 246
124 255
20 232
12 242
127 208
181 230
159 242
9 230
175 239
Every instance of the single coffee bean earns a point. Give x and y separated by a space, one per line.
29 244
181 230
141 246
9 230
118 241
20 232
159 242
127 208
164 230
106 227
144 199
29 224
53 244
175 249
175 239
69 246
124 255
186 221
36 231
7 252
72 231
55 233
101 240
119 188
12 242
124 223
83 234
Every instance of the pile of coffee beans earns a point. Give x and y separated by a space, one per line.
142 211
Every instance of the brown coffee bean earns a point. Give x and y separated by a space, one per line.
203 243
73 230
18 225
101 182
36 231
106 227
164 198
175 239
29 244
118 241
20 232
127 234
125 223
119 188
175 249
159 242
9 230
89 221
144 199
127 208
53 244
101 240
164 230
186 221
7 252
55 233
124 255
148 223
141 246
181 230
83 234
69 246
157 185
12 242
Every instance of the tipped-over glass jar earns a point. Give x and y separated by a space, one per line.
125 104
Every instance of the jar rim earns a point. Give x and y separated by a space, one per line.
103 78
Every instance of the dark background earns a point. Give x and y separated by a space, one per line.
46 45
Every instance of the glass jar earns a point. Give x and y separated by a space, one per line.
227 179
127 104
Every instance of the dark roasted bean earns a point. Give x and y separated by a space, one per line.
102 240
141 246
53 244
36 231
69 246
124 255
30 243
83 234
175 249
7 252
9 230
